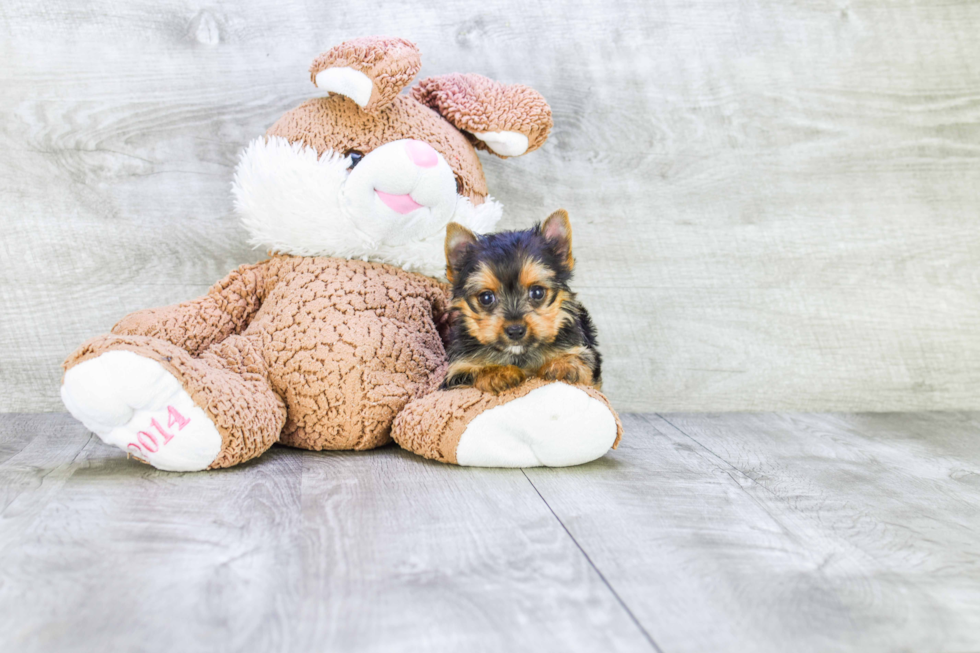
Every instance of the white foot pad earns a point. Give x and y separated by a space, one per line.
133 403
556 425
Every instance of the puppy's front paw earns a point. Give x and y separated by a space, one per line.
570 369
498 378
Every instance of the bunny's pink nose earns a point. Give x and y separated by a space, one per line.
421 154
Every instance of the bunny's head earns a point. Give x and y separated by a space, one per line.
369 173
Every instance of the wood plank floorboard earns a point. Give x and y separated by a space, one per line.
775 532
726 532
297 551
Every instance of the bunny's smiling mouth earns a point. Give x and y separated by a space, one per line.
398 203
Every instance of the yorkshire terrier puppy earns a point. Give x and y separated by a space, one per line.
513 314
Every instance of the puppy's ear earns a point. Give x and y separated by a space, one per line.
557 230
370 70
459 240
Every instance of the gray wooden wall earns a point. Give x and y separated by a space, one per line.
775 203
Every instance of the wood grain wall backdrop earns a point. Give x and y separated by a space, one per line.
775 203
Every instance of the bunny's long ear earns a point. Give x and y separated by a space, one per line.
505 119
371 70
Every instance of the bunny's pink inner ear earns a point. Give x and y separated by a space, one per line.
371 70
505 119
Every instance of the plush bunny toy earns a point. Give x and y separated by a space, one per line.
335 342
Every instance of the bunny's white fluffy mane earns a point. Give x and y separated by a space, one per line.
288 198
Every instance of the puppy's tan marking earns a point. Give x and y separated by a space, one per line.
545 322
482 279
498 378
567 367
534 273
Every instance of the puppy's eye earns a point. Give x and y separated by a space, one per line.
486 298
536 293
355 158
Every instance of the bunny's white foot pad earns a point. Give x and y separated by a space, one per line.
556 425
133 403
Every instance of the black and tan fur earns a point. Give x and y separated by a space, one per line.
525 276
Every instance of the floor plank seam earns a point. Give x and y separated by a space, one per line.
588 559
729 464
12 500
787 531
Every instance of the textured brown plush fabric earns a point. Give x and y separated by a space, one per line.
475 103
344 345
336 123
228 382
391 63
196 325
432 425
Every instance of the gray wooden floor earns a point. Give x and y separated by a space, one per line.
734 532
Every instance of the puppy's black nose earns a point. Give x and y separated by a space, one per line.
515 331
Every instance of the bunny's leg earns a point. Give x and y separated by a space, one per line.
226 309
177 386
155 401
537 424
